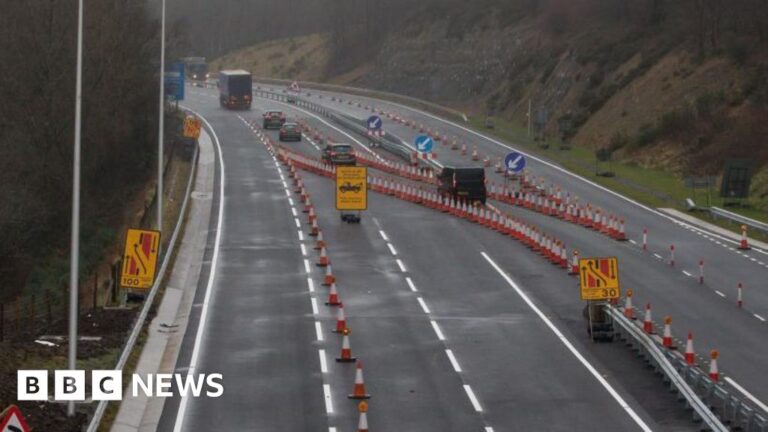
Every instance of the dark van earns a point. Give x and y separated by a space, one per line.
463 183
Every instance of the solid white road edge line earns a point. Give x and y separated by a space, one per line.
574 175
749 395
179 423
616 396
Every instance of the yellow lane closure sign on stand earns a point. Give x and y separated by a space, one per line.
192 127
140 258
599 278
351 188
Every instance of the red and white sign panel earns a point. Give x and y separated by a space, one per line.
13 421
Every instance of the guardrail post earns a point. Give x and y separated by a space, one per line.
49 313
32 312
95 290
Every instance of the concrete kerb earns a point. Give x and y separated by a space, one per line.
166 331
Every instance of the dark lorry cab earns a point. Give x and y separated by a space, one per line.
463 183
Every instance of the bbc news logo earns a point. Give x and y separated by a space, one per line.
107 385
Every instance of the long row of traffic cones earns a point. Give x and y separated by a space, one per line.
329 280
666 340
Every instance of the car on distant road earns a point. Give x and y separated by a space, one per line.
290 132
339 154
274 119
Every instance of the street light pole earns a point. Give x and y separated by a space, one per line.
160 132
74 260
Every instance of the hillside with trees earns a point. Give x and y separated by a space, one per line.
676 85
37 63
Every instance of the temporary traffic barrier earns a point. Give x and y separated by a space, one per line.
701 271
714 373
690 355
647 322
738 295
341 320
314 231
358 392
362 423
574 263
672 255
667 337
645 238
346 351
629 310
320 243
744 244
333 297
329 277
323 261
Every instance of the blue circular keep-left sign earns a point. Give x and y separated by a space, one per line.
514 162
424 143
374 122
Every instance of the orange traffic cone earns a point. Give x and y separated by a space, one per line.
714 373
341 320
359 390
690 355
346 351
647 322
333 297
622 234
667 339
307 205
744 244
323 261
574 263
320 242
362 424
314 231
329 277
312 216
629 311
563 257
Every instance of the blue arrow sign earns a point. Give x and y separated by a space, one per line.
514 162
424 143
374 122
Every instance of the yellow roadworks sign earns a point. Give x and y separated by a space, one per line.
351 188
140 258
599 278
192 127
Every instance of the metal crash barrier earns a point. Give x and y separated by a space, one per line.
714 404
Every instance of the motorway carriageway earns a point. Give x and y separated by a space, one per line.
443 314
709 310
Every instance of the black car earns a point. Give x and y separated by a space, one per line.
274 119
349 187
339 154
290 132
463 183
